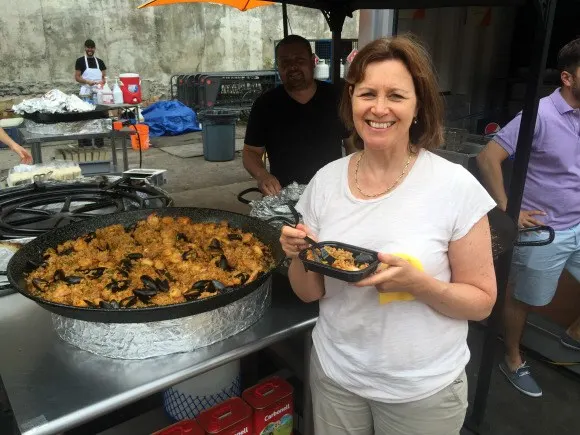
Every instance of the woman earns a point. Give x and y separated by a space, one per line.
24 155
396 368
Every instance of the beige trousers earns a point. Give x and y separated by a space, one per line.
340 412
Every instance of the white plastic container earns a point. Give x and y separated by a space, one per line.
117 93
341 70
107 95
98 98
322 70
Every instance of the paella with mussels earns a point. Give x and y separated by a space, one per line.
157 261
339 258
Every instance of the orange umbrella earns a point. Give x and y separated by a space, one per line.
242 5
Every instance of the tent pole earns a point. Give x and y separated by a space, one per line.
335 19
543 32
285 18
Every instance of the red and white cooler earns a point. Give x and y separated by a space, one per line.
131 87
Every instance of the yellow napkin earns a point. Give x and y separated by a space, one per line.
387 298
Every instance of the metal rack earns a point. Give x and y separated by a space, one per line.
231 89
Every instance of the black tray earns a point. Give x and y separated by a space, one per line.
52 118
343 275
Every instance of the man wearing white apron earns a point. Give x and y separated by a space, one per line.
89 71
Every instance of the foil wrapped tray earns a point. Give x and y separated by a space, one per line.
54 101
69 128
277 205
147 340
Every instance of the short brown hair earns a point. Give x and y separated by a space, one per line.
569 57
428 131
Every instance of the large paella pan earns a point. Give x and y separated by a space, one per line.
60 241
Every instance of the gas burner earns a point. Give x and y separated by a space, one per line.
40 207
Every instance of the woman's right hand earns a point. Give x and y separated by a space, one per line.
292 239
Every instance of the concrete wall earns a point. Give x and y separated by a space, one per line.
41 39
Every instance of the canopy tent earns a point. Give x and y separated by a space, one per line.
242 5
336 11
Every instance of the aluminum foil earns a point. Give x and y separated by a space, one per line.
277 205
146 340
70 128
54 101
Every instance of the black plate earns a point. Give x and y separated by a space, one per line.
343 275
52 118
19 265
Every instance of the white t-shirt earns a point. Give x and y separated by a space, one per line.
401 351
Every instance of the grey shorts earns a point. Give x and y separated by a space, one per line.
536 270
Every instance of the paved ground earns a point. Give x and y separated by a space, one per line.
193 181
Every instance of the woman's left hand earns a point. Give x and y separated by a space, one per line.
394 275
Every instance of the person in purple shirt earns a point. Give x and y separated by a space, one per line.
551 197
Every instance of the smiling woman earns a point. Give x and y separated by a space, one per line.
409 89
396 367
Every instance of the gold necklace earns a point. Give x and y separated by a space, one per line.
391 187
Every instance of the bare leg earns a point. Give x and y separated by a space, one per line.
515 315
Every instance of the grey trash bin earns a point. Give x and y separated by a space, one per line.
219 134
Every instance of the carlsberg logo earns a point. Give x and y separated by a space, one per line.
275 413
242 432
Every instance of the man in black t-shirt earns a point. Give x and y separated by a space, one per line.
297 123
90 71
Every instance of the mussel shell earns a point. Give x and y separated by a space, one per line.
149 283
234 236
215 244
39 284
89 237
123 273
123 284
59 275
192 295
95 273
91 304
166 274
223 264
67 251
201 285
128 302
126 264
216 286
182 237
118 286
70 280
162 285
110 305
135 256
188 254
144 294
243 277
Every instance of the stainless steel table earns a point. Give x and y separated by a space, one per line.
36 140
53 386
